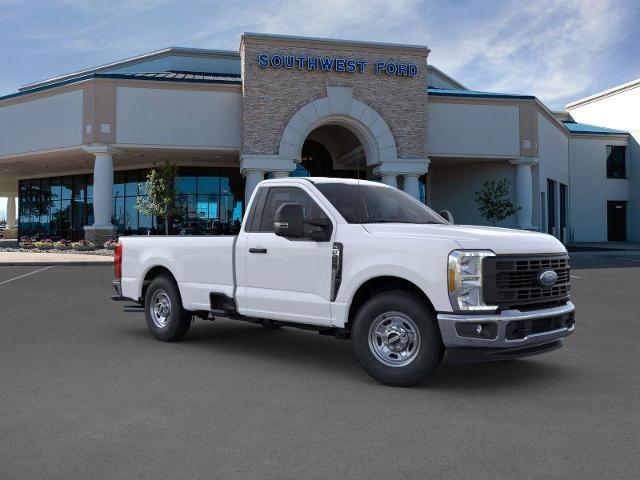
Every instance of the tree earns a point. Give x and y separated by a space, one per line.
494 201
160 191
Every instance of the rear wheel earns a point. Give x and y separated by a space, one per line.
396 338
166 319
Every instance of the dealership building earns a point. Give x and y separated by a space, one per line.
75 150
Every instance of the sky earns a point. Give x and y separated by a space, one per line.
557 50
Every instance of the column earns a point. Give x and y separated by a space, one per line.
102 228
11 211
252 179
524 191
390 179
253 166
103 190
411 185
280 174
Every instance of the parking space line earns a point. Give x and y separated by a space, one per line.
25 275
575 276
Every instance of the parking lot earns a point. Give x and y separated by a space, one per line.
86 393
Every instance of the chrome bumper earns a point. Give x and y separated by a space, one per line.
499 321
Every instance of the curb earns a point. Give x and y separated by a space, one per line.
53 264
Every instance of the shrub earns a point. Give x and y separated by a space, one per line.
46 244
83 246
62 245
26 242
110 244
494 201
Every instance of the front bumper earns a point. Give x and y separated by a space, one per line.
509 331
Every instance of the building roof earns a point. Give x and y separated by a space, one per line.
584 128
175 75
165 52
436 71
604 93
170 76
476 94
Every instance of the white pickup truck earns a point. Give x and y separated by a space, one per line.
359 260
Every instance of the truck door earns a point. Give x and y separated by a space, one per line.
287 279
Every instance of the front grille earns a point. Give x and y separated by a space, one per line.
510 281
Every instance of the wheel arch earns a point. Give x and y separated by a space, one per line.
154 272
380 284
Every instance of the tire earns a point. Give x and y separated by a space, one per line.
166 319
396 338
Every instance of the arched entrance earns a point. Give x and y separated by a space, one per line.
332 151
337 136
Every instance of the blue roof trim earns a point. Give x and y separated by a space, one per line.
585 128
444 92
225 80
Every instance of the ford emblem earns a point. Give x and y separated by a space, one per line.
547 278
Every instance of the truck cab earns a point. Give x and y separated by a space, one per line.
364 261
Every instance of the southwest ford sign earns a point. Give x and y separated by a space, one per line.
334 64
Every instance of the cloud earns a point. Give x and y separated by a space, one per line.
547 48
557 50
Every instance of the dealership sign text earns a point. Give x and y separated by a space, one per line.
333 64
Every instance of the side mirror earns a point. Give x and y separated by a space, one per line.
321 231
446 214
288 221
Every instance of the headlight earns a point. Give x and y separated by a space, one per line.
465 280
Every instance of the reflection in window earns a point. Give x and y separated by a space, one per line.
211 201
616 161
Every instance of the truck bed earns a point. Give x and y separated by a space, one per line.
200 265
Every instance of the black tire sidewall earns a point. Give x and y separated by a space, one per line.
179 319
431 348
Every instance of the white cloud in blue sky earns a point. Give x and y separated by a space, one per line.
556 50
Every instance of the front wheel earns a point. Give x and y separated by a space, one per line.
166 319
396 338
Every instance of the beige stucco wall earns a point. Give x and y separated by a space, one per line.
620 110
590 189
467 129
271 96
178 117
54 121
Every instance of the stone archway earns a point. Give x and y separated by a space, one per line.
340 108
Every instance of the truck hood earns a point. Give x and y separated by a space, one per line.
472 237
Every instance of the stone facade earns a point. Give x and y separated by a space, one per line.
272 96
99 236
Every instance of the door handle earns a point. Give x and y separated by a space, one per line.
258 250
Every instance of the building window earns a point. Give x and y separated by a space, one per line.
211 200
616 161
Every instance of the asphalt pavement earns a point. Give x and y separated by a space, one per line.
85 392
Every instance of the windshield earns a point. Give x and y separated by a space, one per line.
367 203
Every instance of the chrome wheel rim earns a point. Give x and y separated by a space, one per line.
160 308
394 339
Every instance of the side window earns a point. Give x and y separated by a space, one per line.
253 221
279 195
